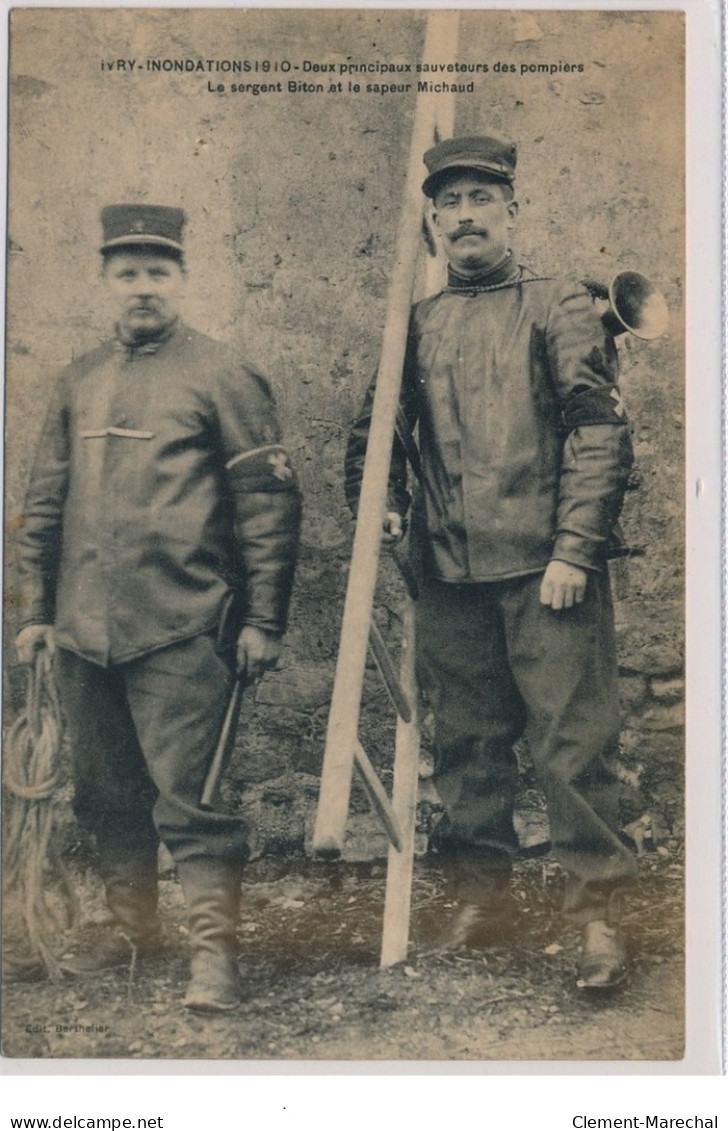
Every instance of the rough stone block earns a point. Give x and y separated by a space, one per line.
630 739
256 765
300 688
308 758
668 690
650 638
664 717
284 720
649 656
632 690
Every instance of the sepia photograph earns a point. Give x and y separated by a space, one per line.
344 605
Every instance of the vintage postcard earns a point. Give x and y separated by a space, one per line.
217 222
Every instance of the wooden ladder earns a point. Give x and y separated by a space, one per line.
433 120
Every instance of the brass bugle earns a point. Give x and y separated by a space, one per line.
636 305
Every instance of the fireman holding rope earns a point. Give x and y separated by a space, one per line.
156 561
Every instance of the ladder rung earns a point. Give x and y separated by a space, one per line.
378 795
388 674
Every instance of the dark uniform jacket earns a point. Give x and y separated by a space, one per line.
160 487
524 448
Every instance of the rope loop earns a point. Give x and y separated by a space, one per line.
35 881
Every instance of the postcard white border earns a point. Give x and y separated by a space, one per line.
705 478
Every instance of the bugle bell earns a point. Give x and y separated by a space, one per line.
635 305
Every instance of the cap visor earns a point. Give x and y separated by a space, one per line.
431 184
141 240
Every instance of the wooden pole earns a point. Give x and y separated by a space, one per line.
400 864
343 726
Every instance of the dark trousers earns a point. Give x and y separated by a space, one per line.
142 736
496 665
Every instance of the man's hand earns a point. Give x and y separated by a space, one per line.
257 651
393 528
563 585
32 639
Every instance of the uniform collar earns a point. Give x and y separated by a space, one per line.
504 274
135 348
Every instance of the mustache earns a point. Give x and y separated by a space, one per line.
469 230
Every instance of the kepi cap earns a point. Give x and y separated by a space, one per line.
142 225
491 155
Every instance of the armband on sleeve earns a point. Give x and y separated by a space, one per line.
603 405
267 519
265 469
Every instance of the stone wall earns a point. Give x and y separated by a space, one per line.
293 202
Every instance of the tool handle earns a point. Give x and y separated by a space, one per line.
225 743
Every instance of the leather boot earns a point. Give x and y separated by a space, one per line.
130 931
211 889
483 918
485 910
603 964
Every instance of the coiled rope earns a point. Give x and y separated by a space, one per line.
40 902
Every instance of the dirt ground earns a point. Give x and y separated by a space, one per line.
309 945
